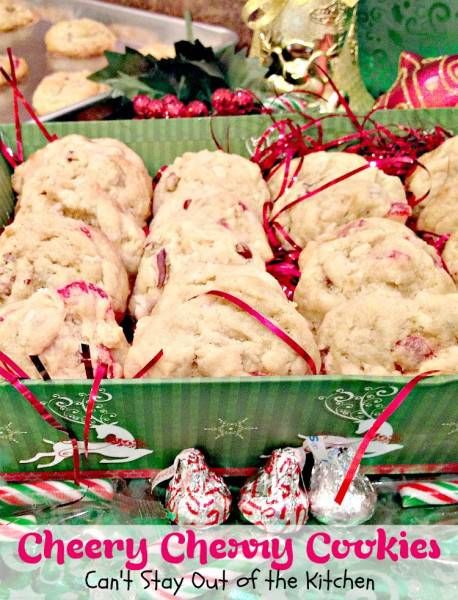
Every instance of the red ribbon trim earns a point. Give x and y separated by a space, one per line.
384 416
268 324
100 372
17 120
46 416
12 367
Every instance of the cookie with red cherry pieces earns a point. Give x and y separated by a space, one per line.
386 334
369 193
52 324
75 161
14 15
203 335
230 177
37 252
174 245
79 38
438 178
365 256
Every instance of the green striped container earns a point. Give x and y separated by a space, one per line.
233 420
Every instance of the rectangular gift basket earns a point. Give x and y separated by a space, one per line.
233 420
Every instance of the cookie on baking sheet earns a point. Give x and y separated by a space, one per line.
79 38
53 324
109 164
386 334
172 246
202 335
51 251
64 88
438 213
191 175
369 193
14 15
159 50
20 65
364 256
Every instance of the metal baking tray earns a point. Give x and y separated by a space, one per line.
133 27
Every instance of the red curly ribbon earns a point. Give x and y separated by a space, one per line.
46 416
384 416
100 372
268 324
149 365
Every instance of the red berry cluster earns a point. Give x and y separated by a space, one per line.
168 107
224 102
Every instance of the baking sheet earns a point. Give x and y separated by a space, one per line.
134 28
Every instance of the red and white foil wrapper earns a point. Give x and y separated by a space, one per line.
359 502
196 495
275 496
423 83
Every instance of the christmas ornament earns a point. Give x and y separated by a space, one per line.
223 102
195 496
304 41
423 83
275 496
196 108
359 502
141 106
14 495
244 101
429 493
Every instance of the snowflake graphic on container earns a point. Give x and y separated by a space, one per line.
230 428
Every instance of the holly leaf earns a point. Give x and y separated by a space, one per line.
243 72
194 74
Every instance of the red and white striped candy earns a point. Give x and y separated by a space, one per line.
55 492
435 493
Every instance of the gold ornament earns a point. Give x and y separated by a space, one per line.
302 41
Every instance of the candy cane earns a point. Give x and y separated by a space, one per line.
51 492
429 493
14 528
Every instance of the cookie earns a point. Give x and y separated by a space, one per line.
53 324
450 256
20 65
172 246
14 15
64 88
79 38
233 178
159 50
74 161
365 256
203 335
369 193
51 252
386 334
438 213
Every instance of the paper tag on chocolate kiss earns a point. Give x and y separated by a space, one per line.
317 446
168 473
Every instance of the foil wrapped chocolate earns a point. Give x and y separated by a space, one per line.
275 496
359 502
196 496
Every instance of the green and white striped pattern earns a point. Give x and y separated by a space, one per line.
438 493
13 528
54 492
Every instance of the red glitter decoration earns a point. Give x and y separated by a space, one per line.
196 109
223 101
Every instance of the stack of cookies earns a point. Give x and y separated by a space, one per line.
373 298
207 235
380 300
74 248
